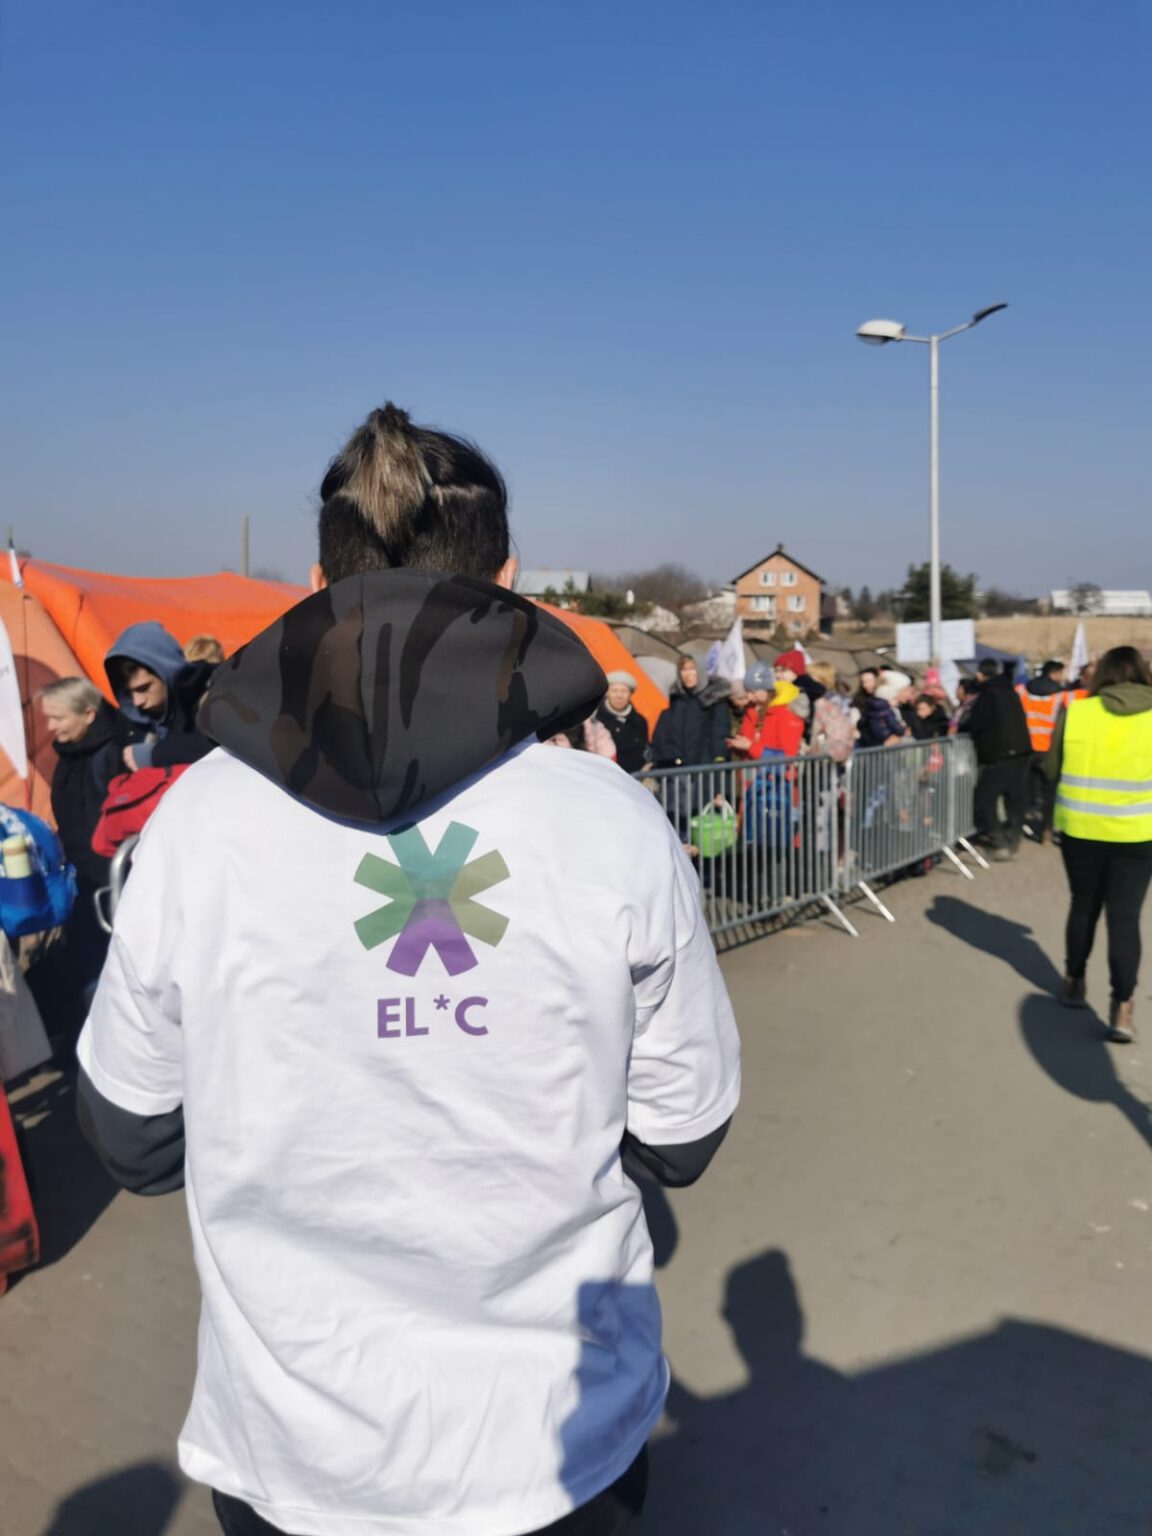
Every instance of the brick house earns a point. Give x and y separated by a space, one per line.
779 590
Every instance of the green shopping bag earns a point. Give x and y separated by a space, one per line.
713 831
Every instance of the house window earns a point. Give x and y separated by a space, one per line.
767 578
788 578
795 605
764 605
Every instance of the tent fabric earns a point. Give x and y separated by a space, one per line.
72 618
91 609
41 656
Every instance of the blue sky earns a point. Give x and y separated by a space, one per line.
624 246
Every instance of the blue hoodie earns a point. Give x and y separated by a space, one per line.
148 645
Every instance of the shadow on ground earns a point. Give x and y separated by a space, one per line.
1010 942
1024 1428
1069 1045
70 1187
138 1501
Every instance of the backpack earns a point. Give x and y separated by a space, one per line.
769 815
833 729
44 899
131 799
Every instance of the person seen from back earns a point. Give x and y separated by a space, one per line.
411 1000
792 667
204 648
1101 763
159 692
835 718
999 733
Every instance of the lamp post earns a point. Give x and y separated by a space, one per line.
878 333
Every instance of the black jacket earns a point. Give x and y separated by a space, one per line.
931 729
630 734
997 723
878 720
694 728
84 769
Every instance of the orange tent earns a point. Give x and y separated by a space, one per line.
41 656
65 621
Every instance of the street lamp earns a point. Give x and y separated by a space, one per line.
877 333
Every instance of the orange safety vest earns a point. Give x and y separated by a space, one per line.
1042 714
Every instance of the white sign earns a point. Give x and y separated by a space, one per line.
1079 657
11 710
957 641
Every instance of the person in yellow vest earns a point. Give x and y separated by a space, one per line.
1044 698
1101 763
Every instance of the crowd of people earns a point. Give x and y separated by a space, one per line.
113 762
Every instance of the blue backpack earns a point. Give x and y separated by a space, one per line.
769 815
43 899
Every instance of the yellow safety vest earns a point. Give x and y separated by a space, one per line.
1105 789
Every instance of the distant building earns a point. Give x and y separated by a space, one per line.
1103 605
779 590
562 582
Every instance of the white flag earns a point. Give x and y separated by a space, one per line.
14 566
730 662
11 711
1079 657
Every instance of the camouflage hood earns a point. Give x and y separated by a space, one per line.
386 690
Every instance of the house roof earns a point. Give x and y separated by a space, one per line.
780 550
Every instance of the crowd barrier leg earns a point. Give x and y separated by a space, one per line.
839 916
959 863
973 852
875 900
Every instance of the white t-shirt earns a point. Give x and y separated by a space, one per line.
407 1063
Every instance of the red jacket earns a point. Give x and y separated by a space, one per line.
780 731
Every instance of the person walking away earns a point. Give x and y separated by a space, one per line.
83 731
411 999
880 725
626 725
1101 763
999 733
1043 698
159 692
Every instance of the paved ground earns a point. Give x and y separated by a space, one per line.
912 1297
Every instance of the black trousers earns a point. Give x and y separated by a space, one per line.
1042 795
1111 878
614 1512
1008 780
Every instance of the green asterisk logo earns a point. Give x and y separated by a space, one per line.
431 901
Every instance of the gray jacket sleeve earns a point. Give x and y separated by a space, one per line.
143 1153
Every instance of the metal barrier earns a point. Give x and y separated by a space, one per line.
777 835
108 897
766 835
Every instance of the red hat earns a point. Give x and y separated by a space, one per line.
794 661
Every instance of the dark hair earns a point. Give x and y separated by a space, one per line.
966 685
989 667
399 495
869 672
1122 664
925 698
1050 668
